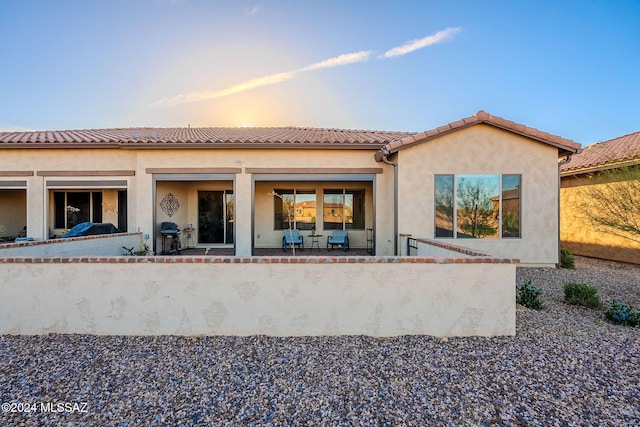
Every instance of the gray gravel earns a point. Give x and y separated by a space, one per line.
566 366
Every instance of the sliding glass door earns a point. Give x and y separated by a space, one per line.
215 217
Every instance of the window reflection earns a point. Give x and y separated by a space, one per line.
343 209
297 207
305 210
478 206
444 206
511 206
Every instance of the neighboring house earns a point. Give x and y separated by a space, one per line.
482 182
577 233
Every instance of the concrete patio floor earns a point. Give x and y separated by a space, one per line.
213 251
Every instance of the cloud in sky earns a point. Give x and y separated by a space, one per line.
337 61
254 10
414 45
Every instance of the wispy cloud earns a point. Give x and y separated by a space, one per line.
414 45
337 61
254 10
272 79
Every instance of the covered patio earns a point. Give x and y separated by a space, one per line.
322 251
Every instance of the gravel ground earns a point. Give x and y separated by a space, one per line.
566 366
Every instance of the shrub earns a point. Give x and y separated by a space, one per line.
581 294
621 313
142 251
529 296
566 259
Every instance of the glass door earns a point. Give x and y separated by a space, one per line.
215 217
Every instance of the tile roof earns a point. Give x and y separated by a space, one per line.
212 137
276 137
602 155
565 146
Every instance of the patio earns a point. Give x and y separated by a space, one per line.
276 252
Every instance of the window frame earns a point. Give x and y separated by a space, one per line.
282 224
454 232
344 192
94 204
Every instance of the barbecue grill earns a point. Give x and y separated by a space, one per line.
170 233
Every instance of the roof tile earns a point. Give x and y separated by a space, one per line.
565 146
214 136
602 154
266 137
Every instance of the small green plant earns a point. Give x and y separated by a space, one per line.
3 230
621 313
581 294
142 251
566 259
529 296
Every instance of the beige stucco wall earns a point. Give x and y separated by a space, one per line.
307 161
267 237
67 159
109 208
111 245
580 237
186 192
279 299
478 149
13 212
40 219
141 206
482 149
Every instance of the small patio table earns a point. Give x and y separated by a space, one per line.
315 238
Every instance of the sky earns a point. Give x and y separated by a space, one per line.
571 68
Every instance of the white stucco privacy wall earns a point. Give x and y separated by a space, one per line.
377 296
100 245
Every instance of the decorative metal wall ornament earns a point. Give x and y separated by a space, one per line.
169 204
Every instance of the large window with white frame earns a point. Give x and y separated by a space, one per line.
477 206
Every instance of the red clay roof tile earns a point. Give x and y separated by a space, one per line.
603 155
565 146
277 137
212 137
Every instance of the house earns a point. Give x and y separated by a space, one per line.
578 179
482 182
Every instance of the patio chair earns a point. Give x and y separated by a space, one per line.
292 238
338 238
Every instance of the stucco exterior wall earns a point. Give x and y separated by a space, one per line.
109 208
260 162
144 213
478 149
104 245
580 237
483 149
267 237
245 296
63 159
45 163
179 190
13 214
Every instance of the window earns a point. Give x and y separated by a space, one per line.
295 206
75 207
343 209
477 206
